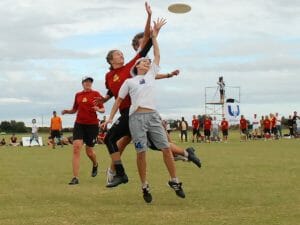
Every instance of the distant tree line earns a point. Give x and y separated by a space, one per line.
19 127
13 127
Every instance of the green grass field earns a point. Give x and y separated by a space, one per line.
240 183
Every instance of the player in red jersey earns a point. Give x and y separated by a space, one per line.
224 128
267 127
273 125
207 128
196 128
243 128
86 126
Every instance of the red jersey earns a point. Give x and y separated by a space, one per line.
207 124
195 124
267 124
273 122
224 125
116 77
83 104
243 124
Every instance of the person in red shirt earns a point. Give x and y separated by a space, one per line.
207 128
224 128
273 125
86 127
243 128
196 128
267 127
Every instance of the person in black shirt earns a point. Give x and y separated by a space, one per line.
294 127
290 125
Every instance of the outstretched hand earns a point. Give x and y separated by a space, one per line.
174 73
157 25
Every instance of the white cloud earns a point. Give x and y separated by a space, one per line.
253 44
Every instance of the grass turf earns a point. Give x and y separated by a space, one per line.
240 183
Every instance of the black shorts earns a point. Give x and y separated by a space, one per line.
222 92
225 132
121 127
86 132
274 130
207 133
196 131
267 131
55 134
244 131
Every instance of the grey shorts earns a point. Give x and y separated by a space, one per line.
144 125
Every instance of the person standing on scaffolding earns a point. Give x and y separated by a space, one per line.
221 89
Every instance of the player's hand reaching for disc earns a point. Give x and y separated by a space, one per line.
148 8
158 24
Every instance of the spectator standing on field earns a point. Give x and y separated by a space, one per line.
183 126
34 133
55 129
215 129
278 125
224 128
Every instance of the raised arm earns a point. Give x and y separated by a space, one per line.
157 26
147 31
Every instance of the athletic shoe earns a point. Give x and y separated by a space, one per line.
192 157
74 181
117 180
180 157
177 188
95 170
146 194
109 175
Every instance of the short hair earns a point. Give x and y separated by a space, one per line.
135 40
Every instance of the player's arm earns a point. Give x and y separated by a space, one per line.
147 31
157 26
168 75
114 109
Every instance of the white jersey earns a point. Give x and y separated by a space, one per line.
278 121
215 124
141 90
255 123
34 128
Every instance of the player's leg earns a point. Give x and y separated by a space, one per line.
138 129
111 171
89 138
117 131
77 145
159 137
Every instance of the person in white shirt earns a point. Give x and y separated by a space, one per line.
34 133
143 117
255 126
215 129
278 124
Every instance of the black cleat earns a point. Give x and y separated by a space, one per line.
117 181
74 181
95 170
146 194
192 157
177 188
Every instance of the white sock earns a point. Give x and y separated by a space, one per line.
186 154
145 185
175 179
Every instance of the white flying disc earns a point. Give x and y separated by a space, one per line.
179 8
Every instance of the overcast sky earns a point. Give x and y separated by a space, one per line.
46 46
